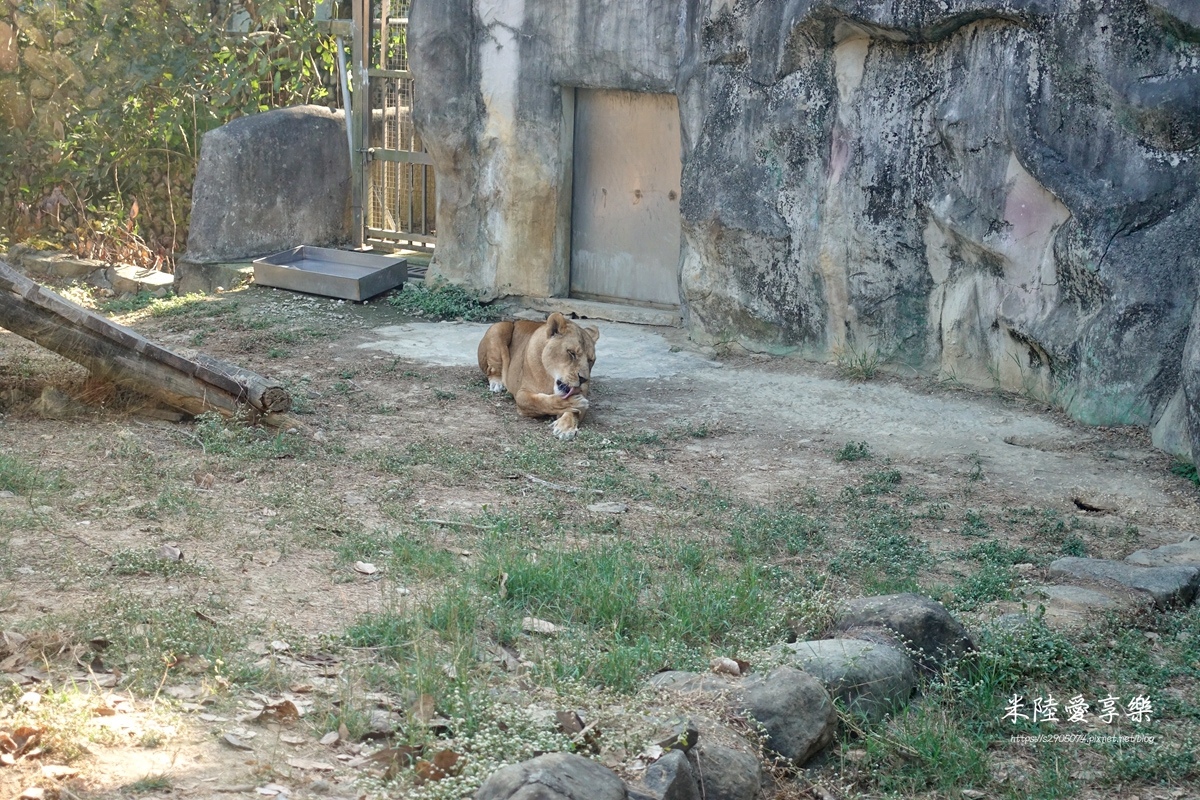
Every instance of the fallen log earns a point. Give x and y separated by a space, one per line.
118 354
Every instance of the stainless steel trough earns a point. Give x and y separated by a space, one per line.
331 273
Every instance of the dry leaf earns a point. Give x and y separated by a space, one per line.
235 742
343 731
204 480
310 764
20 742
32 793
458 551
281 711
58 771
268 558
272 790
365 568
291 738
444 763
569 722
423 710
330 738
395 759
535 625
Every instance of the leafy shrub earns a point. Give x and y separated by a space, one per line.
105 165
440 301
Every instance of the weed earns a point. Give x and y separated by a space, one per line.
1187 471
440 301
126 304
20 477
150 562
217 435
156 782
853 451
1074 546
857 365
974 524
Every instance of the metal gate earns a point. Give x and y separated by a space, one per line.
394 173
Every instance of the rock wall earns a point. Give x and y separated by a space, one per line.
1001 192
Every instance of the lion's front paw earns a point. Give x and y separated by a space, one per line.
579 402
495 384
565 427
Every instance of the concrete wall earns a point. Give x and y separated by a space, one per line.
1002 192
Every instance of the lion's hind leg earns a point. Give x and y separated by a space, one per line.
493 354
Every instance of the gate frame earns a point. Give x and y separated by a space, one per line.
360 117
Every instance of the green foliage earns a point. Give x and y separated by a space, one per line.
20 477
140 84
853 451
440 301
219 436
1187 471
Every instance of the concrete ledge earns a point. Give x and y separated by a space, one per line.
612 312
193 278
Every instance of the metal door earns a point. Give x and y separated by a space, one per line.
397 183
625 224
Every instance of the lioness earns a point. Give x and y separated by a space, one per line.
545 365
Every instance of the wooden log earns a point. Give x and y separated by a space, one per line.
116 353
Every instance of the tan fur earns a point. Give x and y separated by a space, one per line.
546 367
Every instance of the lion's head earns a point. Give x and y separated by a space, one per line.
569 355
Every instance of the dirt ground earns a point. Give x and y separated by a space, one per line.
259 529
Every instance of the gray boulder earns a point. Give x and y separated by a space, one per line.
554 776
794 710
869 679
269 182
1185 553
917 623
669 778
726 774
1166 585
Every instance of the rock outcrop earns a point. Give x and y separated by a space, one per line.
1000 191
269 182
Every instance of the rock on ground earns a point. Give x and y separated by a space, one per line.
793 709
554 776
869 679
724 773
269 182
918 623
1166 585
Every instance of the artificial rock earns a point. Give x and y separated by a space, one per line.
1001 191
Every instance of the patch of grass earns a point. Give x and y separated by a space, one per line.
20 477
217 435
156 782
440 301
857 365
1187 471
974 524
400 553
1072 545
853 451
765 532
151 636
128 303
144 562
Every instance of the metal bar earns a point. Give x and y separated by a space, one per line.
343 78
406 156
401 236
402 74
424 199
360 15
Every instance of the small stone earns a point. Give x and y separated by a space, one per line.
608 508
793 709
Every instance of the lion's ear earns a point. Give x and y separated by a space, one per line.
557 323
593 333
